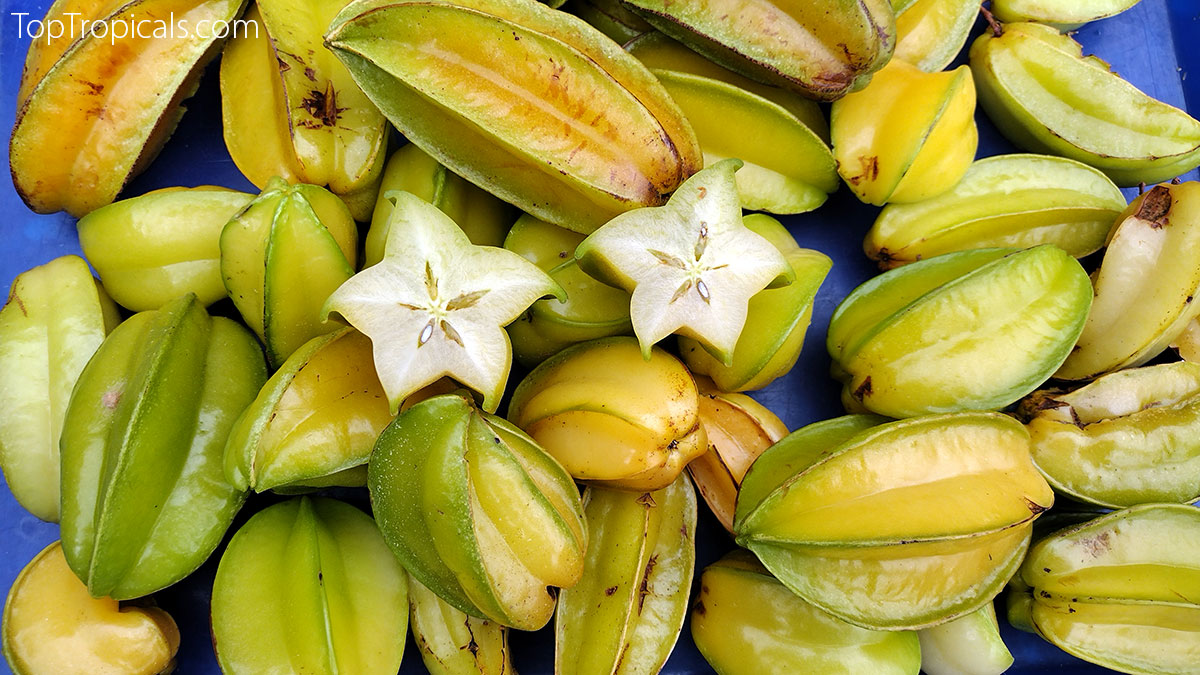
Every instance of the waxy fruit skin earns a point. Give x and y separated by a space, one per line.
309 586
477 511
819 48
93 109
144 495
1045 96
1130 437
930 33
899 526
151 249
55 319
1118 591
972 330
625 614
1066 15
53 626
611 417
968 645
745 622
454 643
532 104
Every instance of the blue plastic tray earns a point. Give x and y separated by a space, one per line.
1152 45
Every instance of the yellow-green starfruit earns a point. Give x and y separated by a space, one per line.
477 511
611 18
968 645
144 494
930 33
1187 343
454 643
1066 15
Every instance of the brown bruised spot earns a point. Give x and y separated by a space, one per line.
701 192
111 399
322 105
310 74
699 608
1096 546
284 66
96 88
1156 205
646 500
610 590
1035 508
645 589
864 389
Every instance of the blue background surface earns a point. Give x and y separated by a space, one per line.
1154 46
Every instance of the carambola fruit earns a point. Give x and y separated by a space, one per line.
904 525
529 103
932 32
973 330
454 643
612 417
144 494
968 645
309 586
611 18
1045 96
1065 15
55 319
477 511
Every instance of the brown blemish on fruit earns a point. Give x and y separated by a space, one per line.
1155 207
13 297
322 105
645 589
646 500
610 590
864 389
1096 546
1035 508
111 399
699 608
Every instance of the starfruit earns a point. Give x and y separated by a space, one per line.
930 33
626 612
968 645
151 249
95 107
611 18
776 320
289 108
282 256
477 84
1045 96
1130 437
477 511
53 627
908 136
309 586
821 49
144 494
973 330
746 622
1065 15
485 219
454 643
1119 591
1007 200
739 429
900 526
1187 343
592 310
1145 285
55 319
315 422
611 417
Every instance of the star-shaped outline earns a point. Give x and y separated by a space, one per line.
690 265
436 305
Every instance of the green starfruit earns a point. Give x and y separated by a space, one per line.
611 18
1066 15
968 645
454 643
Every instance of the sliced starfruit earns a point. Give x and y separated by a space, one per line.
477 84
819 48
932 32
745 623
282 256
592 309
309 586
53 627
611 18
454 643
1130 437
1145 285
144 494
1008 200
690 266
1065 15
739 429
908 136
55 319
436 305
900 526
477 511
968 645
612 417
776 321
1119 591
95 107
1045 96
973 330
289 108
484 218
626 612
315 422
151 249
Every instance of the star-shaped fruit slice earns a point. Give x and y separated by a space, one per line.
690 265
436 305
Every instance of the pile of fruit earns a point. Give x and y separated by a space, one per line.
572 192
